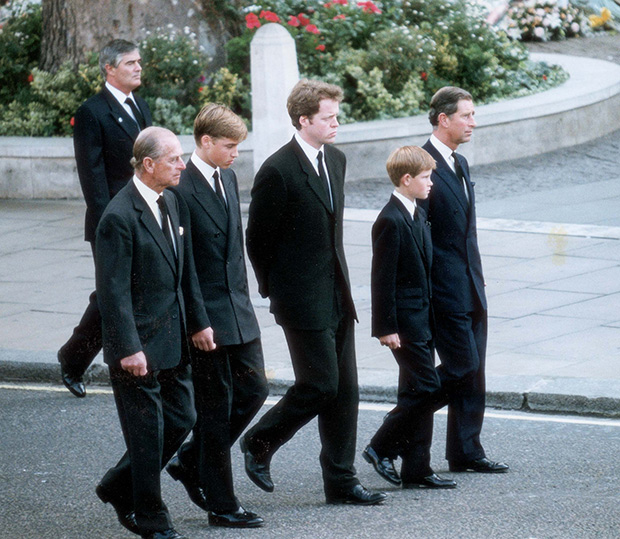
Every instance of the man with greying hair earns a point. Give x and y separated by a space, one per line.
150 302
229 382
106 126
459 300
295 244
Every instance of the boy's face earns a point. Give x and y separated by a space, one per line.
418 186
219 152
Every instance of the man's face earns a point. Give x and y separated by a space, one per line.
417 186
460 125
165 171
322 127
126 76
218 152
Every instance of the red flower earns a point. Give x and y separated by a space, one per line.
72 121
341 2
251 21
312 29
341 16
544 77
269 16
305 21
320 47
30 78
293 21
369 7
424 75
328 4
200 89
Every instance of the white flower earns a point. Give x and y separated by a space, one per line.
539 32
575 27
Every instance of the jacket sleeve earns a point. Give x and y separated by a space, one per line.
266 208
113 276
385 248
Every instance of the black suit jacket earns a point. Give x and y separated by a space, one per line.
217 239
458 283
148 300
294 238
103 138
401 273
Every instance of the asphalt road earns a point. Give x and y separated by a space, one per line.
563 483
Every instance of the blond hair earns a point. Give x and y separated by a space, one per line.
408 160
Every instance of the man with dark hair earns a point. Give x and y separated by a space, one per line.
150 301
295 244
459 299
106 126
229 382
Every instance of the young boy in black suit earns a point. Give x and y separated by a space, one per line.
402 321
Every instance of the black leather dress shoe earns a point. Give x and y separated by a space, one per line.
179 473
75 384
257 471
430 481
166 534
383 466
357 495
125 514
239 519
483 465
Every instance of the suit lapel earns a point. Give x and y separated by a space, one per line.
449 178
207 198
120 116
415 229
314 181
150 223
232 215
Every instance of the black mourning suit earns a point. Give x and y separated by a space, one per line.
103 139
295 244
230 384
460 305
401 304
150 301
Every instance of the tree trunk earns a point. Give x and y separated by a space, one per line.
73 28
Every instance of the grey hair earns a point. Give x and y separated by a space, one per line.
149 144
113 52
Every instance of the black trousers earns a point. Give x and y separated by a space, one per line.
230 387
86 341
407 430
325 387
461 341
156 412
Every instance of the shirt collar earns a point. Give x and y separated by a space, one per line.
445 151
310 151
410 205
118 95
205 169
147 193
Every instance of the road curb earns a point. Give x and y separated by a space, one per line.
549 403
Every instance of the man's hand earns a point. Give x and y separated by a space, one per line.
135 364
203 340
391 341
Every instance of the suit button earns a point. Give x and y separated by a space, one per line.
174 316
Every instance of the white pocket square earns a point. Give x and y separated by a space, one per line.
181 231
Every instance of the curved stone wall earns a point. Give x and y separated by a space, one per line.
587 106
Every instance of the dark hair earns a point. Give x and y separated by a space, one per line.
305 98
218 121
446 100
113 52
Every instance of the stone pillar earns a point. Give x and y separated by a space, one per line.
274 73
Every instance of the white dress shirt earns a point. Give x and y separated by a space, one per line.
312 154
120 97
410 205
150 197
207 171
446 153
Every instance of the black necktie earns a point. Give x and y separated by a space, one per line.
417 230
459 174
136 112
165 227
323 176
218 189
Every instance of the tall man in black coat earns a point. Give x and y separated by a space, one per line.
295 244
229 382
402 321
150 301
459 300
106 126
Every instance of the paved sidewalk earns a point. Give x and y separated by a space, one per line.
551 260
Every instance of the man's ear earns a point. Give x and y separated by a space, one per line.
148 164
206 141
443 119
304 121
